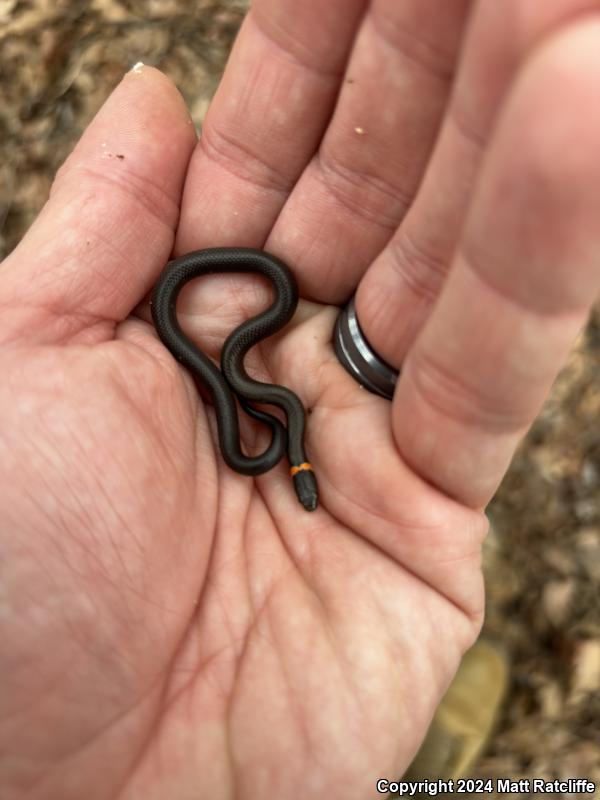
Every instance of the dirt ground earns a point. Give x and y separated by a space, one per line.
59 59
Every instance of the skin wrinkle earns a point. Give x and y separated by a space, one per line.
425 370
406 198
216 546
33 700
338 658
239 563
144 191
393 635
168 704
310 747
115 662
336 176
60 311
476 139
235 297
209 665
32 554
108 538
163 705
521 37
121 267
46 279
261 612
129 265
471 616
344 200
165 454
434 61
474 263
149 350
255 359
311 394
129 394
342 662
116 548
194 403
117 280
166 457
230 712
35 500
85 321
291 48
65 512
77 637
240 161
318 399
251 594
84 745
113 583
422 271
69 508
360 705
66 515
234 644
120 790
361 203
103 573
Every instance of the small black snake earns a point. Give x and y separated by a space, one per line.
233 378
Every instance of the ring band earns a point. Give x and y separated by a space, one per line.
358 357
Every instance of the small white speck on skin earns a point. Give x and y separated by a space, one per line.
137 68
360 131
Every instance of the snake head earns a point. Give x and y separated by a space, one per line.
305 485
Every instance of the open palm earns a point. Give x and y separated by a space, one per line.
170 628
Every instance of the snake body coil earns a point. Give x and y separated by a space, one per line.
233 377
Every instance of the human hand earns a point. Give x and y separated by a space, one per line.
170 628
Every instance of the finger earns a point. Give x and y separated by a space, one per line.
108 226
398 291
367 169
266 119
522 283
